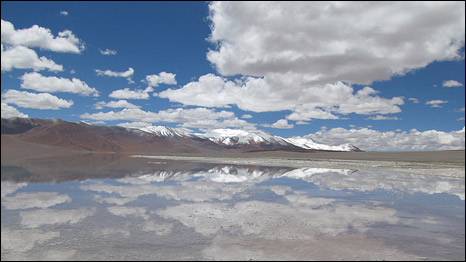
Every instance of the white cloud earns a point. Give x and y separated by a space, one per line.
372 140
126 93
326 42
161 78
436 103
300 122
379 117
308 64
246 116
302 113
32 100
281 124
202 118
9 111
128 73
65 13
37 36
210 91
115 104
108 52
131 114
21 57
415 100
451 83
260 95
38 82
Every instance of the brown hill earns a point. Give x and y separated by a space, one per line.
55 134
69 135
84 137
18 125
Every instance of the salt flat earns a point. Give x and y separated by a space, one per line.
248 207
438 163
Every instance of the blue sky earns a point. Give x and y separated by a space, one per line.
325 70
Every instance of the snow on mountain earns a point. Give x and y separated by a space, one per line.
166 131
235 137
308 143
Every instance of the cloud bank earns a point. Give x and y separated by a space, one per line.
373 140
308 64
38 82
42 38
33 100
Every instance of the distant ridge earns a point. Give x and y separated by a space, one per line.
18 125
153 139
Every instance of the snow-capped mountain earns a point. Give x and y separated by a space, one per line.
240 138
166 131
233 137
152 139
308 143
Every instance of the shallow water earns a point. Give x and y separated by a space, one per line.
110 207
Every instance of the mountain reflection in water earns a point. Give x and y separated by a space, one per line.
109 206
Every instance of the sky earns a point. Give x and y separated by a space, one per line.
380 75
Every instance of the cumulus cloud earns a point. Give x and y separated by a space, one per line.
326 42
414 100
9 111
302 113
308 64
372 140
21 57
162 78
436 103
131 114
281 124
451 83
38 82
37 36
379 117
64 13
108 52
260 95
115 104
128 73
126 93
36 101
210 90
202 118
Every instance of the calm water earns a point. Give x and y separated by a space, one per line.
109 207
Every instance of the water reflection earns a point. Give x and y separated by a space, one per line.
112 207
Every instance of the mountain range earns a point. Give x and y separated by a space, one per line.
23 132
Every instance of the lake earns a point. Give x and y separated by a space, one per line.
113 207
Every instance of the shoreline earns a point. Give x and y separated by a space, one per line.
455 170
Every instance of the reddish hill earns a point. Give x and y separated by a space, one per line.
81 136
69 135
